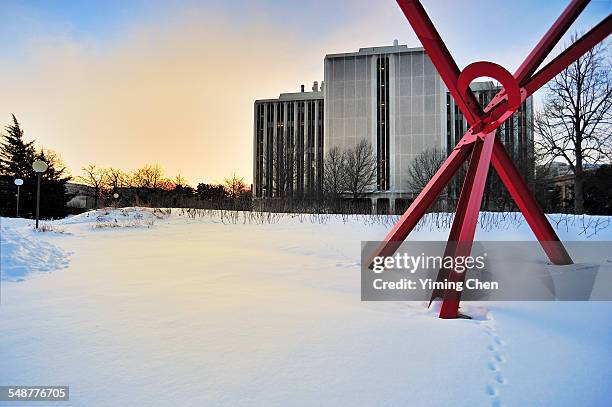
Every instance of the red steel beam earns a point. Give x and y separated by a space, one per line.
497 109
425 199
441 58
549 40
528 205
474 198
469 207
570 55
458 219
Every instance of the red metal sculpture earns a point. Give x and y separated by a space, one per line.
480 143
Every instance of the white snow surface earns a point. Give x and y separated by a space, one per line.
163 309
24 253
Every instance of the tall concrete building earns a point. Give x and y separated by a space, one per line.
391 96
288 145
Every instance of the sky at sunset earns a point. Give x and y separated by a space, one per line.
126 83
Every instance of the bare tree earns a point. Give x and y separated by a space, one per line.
574 124
423 167
283 170
57 165
180 181
235 186
94 177
116 179
148 176
360 168
334 175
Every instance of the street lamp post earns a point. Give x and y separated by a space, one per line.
116 196
18 182
39 167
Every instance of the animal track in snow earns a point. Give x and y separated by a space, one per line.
495 349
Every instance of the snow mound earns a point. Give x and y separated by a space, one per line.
24 253
121 217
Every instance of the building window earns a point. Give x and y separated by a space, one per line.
290 143
269 148
259 149
382 124
522 132
320 147
280 149
300 148
509 133
310 147
458 124
449 125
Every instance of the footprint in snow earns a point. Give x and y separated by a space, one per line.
496 350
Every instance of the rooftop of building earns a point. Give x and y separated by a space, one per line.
386 49
484 85
316 93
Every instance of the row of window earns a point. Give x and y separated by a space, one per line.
288 161
383 171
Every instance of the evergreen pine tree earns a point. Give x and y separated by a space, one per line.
16 155
16 158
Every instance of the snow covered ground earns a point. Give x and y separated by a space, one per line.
136 308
